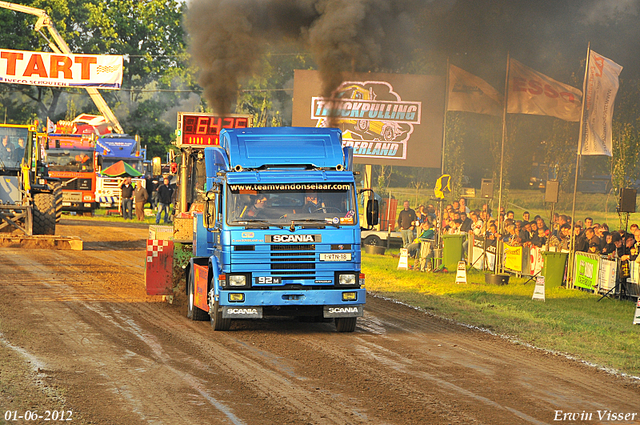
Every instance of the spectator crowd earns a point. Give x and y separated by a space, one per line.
458 218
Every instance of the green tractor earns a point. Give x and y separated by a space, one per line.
28 196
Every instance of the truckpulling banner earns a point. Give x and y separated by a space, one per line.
388 119
60 70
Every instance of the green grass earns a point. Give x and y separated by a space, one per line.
569 321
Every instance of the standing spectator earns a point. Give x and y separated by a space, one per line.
588 222
477 225
431 212
406 223
463 206
422 214
140 195
127 198
465 227
165 194
525 216
486 210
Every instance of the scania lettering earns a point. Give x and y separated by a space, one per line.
293 238
279 231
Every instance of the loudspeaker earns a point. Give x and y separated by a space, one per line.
551 191
486 189
627 200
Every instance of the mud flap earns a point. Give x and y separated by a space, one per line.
200 274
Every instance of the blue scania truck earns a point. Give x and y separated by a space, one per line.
279 234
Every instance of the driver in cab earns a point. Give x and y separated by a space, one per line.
253 210
311 203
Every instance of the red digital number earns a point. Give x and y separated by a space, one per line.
203 124
215 127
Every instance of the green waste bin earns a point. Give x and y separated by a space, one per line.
452 250
553 268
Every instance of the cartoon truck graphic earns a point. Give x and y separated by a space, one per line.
385 130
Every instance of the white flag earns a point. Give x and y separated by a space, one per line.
51 127
468 93
531 92
602 87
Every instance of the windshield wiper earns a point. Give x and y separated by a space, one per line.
253 223
314 221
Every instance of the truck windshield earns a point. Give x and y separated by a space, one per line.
280 204
12 146
70 160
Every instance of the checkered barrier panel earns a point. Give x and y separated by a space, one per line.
159 267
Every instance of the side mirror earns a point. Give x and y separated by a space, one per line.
373 212
210 210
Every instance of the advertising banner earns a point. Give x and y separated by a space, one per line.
531 92
483 254
468 93
586 270
60 70
535 260
513 258
602 87
388 119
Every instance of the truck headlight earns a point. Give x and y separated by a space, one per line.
236 280
347 279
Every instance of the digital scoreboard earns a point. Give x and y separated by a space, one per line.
203 129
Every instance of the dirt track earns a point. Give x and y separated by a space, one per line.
79 333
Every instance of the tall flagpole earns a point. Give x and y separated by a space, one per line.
444 136
444 120
572 252
504 135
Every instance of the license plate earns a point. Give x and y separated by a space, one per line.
343 256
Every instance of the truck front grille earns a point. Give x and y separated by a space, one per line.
293 261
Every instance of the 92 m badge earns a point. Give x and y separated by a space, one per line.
268 280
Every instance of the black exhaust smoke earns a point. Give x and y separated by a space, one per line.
228 38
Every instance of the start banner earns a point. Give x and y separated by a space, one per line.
61 70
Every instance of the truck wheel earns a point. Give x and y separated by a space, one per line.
373 240
217 322
346 324
44 214
193 312
57 194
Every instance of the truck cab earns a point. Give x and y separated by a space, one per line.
281 227
111 149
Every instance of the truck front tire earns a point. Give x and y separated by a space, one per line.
217 322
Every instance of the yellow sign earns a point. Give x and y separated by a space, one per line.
513 258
